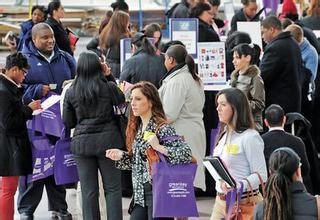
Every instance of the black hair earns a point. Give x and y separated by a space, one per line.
247 2
53 6
277 203
236 38
271 22
286 22
39 7
89 74
197 10
120 5
180 55
166 46
214 2
248 49
274 115
151 29
18 60
141 41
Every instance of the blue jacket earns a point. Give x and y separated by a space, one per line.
62 67
25 34
309 57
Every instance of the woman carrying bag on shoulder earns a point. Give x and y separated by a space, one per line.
147 124
240 147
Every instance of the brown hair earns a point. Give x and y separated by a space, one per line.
314 9
152 94
115 30
242 118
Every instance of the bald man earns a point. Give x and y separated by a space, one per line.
49 68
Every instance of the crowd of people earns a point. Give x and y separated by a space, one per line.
167 99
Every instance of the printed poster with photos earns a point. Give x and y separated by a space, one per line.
212 65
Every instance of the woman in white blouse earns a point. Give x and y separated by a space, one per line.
239 146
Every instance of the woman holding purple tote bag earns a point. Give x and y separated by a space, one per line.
147 125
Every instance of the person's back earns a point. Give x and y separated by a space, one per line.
144 67
304 205
276 137
95 123
182 95
286 196
280 67
181 10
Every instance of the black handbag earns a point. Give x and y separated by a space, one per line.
119 110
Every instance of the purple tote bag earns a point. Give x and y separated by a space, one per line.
42 155
50 119
172 187
65 168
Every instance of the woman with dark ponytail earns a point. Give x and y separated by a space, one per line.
286 196
182 95
246 77
145 64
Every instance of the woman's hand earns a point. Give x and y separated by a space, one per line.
35 105
225 188
105 68
154 143
114 154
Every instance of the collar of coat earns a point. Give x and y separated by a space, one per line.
252 71
10 85
297 187
282 35
182 68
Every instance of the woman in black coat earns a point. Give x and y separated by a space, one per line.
15 150
145 64
285 195
202 11
247 13
56 12
88 107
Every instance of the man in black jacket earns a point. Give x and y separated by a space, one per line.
280 66
277 137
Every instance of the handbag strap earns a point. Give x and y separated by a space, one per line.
249 191
261 183
318 206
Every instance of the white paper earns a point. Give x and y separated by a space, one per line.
48 103
253 29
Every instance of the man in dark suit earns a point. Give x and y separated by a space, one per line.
276 137
280 66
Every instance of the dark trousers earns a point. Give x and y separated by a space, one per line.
30 195
88 167
145 213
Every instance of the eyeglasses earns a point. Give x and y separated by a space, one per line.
24 71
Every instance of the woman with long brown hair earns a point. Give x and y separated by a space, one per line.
147 127
117 28
240 147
